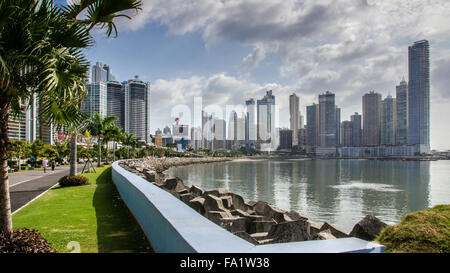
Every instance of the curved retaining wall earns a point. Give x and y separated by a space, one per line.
171 226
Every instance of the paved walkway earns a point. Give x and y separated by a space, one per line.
25 186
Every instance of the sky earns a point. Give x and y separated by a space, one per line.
227 51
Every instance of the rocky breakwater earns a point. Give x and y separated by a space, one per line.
256 221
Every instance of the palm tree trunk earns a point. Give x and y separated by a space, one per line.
73 155
99 157
5 203
114 151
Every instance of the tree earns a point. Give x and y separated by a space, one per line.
41 54
112 133
129 140
98 126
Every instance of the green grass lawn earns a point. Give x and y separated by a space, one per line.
92 215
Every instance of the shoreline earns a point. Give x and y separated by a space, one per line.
258 222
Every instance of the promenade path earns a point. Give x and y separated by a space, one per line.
25 186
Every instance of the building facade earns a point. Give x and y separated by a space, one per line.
401 133
356 130
347 134
371 103
419 94
388 121
294 111
312 128
96 99
116 102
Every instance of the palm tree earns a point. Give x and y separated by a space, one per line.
112 133
99 127
129 140
41 54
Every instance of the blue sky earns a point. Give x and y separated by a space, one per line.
229 50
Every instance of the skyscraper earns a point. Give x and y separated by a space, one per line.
294 102
371 119
388 121
96 99
312 127
419 94
266 117
347 133
338 126
401 134
115 102
137 108
102 73
251 124
356 130
327 120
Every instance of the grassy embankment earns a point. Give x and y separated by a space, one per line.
92 215
426 231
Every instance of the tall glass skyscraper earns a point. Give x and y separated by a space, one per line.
371 119
327 120
419 93
388 121
356 130
401 135
312 127
294 110
95 100
116 102
266 117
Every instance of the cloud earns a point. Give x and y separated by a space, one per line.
252 60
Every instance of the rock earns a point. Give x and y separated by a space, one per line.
150 176
368 228
218 192
294 215
269 211
314 228
259 226
294 231
244 235
335 231
213 203
251 203
324 235
238 202
174 185
186 197
260 236
234 224
215 216
227 201
240 213
197 204
196 191
183 191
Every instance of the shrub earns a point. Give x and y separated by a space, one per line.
70 181
24 241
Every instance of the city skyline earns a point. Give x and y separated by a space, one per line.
189 52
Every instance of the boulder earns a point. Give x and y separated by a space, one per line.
238 202
196 191
260 236
233 224
174 185
251 203
218 192
324 235
150 175
227 201
368 228
294 231
259 226
294 215
215 216
269 211
186 197
213 203
197 204
335 231
240 213
314 228
244 235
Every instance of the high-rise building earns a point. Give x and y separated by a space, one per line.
347 133
312 127
338 126
219 133
137 108
285 139
207 130
302 139
96 99
115 102
251 124
356 130
102 73
388 121
419 94
327 120
401 134
294 105
266 117
167 131
371 103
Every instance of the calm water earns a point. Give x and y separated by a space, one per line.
341 192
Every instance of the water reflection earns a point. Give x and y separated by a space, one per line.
338 191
